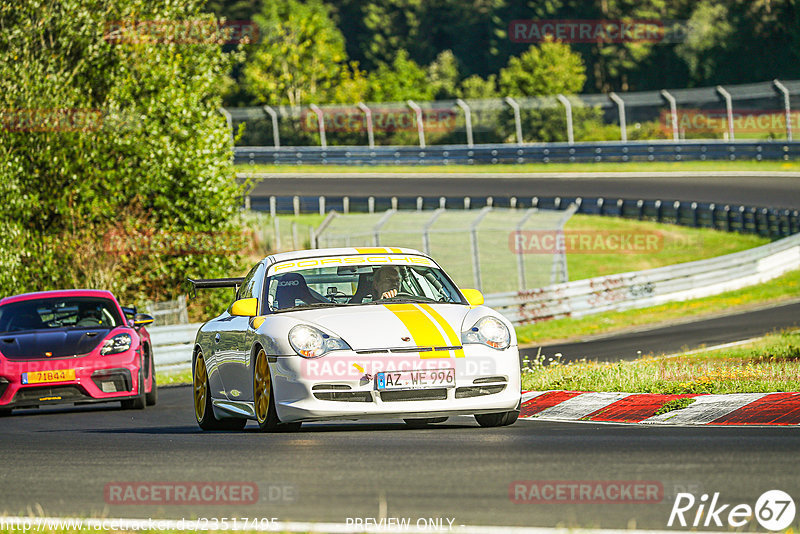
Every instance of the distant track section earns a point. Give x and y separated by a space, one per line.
702 150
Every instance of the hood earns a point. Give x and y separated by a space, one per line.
379 326
60 342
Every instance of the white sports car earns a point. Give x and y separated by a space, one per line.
353 333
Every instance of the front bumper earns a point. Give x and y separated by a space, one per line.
97 379
487 381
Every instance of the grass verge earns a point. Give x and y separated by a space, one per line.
783 288
671 244
637 166
771 364
173 378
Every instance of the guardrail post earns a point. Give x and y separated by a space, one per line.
346 204
520 253
426 239
376 230
393 201
371 205
273 206
296 205
442 202
568 107
322 205
673 111
420 200
467 202
468 118
276 136
623 126
420 124
321 123
473 242
786 106
728 108
517 118
370 132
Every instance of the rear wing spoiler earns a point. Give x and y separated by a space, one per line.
211 283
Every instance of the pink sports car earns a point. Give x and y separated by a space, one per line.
74 346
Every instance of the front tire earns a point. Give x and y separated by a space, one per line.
264 398
140 401
497 419
152 397
203 410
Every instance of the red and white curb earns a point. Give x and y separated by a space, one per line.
733 409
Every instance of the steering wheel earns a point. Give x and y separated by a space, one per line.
337 295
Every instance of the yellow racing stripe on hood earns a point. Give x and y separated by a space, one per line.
454 340
421 328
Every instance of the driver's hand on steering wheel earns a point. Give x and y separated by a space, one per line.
389 294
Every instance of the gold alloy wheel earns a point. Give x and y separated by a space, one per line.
262 386
200 388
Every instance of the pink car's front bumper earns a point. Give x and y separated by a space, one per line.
96 379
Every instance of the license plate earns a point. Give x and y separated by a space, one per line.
423 378
39 377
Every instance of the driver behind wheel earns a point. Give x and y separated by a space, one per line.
386 282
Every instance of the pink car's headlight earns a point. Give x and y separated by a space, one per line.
116 344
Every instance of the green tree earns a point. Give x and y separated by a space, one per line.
400 80
112 129
476 87
443 75
546 69
300 57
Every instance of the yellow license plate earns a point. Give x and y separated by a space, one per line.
39 377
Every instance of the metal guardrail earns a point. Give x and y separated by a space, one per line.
689 150
172 345
651 287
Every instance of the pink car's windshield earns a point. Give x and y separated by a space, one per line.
51 313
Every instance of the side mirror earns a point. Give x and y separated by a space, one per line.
473 296
245 307
142 319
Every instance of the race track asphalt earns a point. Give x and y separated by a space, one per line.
59 461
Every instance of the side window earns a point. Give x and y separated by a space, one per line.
246 289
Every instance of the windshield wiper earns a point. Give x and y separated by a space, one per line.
311 306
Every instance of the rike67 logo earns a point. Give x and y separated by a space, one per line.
774 510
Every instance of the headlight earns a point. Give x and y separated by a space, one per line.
488 331
309 342
117 344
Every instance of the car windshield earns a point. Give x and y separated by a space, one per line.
51 313
359 285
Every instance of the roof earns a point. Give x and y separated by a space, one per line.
319 252
59 294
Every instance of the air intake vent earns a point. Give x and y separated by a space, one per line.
344 396
414 395
469 392
489 380
330 386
